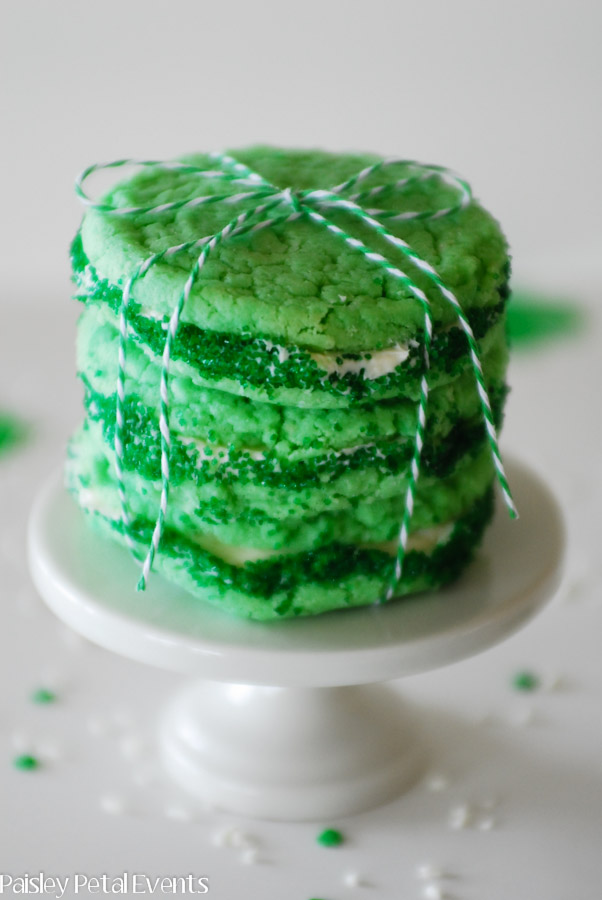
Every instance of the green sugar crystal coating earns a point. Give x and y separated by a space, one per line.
226 419
363 504
291 434
259 369
333 576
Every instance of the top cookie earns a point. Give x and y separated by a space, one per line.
296 283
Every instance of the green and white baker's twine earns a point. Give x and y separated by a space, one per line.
273 206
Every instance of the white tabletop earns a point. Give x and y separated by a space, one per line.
511 802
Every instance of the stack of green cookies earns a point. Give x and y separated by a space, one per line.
294 382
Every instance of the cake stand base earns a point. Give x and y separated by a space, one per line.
289 722
283 753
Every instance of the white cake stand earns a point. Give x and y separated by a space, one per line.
287 720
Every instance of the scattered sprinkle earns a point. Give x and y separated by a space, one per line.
121 718
352 879
434 892
112 804
460 817
437 782
131 747
43 695
330 837
486 824
429 872
525 680
535 318
98 726
178 813
490 802
555 682
26 762
19 740
249 856
234 838
524 715
12 432
144 775
49 750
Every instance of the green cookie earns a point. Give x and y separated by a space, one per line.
286 424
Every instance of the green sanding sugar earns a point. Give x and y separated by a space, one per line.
525 680
43 695
26 762
330 837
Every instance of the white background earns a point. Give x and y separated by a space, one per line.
507 93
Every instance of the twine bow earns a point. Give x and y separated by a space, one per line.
274 206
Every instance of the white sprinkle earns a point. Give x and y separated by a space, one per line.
555 682
352 880
486 824
459 817
178 813
131 747
121 718
489 803
112 804
437 783
434 892
49 750
20 741
522 716
221 838
487 720
98 726
145 775
249 856
429 872
52 678
234 838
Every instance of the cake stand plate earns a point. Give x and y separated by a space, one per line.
288 720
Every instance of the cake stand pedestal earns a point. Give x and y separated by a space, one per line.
290 720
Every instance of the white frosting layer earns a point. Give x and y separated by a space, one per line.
222 454
217 451
424 541
237 556
381 362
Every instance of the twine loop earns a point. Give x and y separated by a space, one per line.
272 206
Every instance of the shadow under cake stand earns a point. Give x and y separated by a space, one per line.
289 720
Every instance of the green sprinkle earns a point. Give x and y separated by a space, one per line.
43 695
525 681
12 432
533 319
330 837
26 762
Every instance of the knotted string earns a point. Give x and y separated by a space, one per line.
275 206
